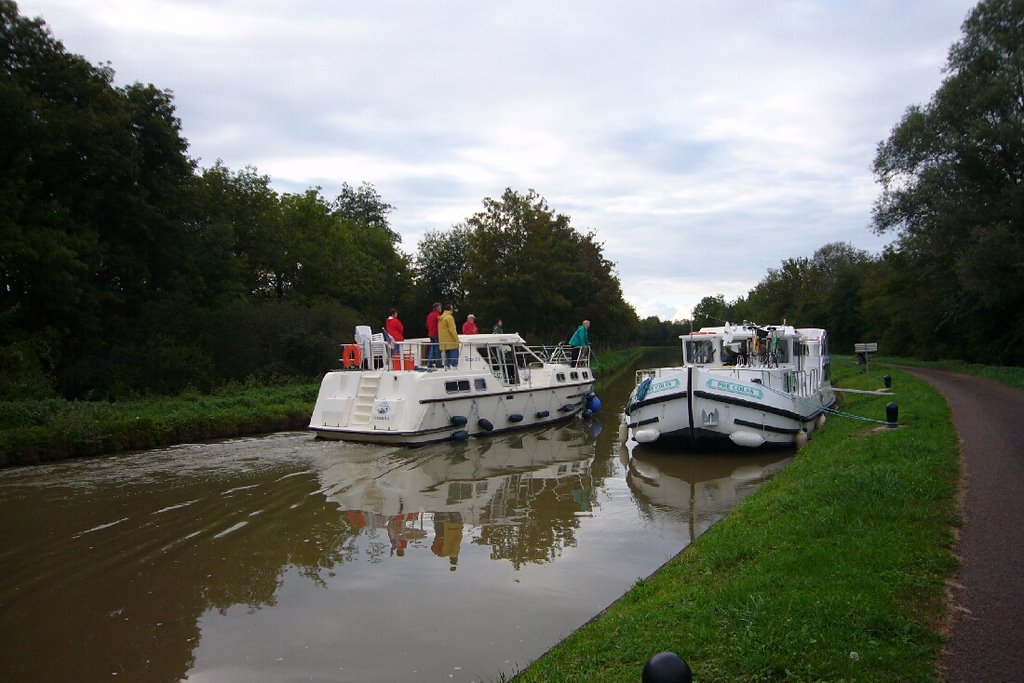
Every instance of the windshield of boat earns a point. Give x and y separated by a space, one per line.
701 351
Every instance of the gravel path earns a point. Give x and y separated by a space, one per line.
987 640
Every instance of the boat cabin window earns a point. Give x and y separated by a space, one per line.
781 350
574 375
456 386
586 375
700 351
480 384
560 376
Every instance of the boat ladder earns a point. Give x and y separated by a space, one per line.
365 396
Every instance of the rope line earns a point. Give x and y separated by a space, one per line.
807 403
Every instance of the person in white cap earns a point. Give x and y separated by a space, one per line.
469 327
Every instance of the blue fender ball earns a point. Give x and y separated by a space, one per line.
667 667
594 403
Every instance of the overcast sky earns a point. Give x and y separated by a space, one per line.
703 142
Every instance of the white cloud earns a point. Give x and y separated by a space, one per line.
703 142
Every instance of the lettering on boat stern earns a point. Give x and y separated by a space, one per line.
663 385
733 388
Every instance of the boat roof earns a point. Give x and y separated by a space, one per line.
503 338
746 329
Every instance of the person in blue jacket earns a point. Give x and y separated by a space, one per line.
580 339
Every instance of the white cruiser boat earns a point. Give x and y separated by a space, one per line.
385 393
751 384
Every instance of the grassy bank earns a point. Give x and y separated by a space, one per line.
608 364
833 571
40 431
55 429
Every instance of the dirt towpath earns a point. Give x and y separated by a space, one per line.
987 640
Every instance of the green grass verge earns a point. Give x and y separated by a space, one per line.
608 364
833 571
32 432
40 431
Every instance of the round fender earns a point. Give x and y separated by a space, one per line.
485 424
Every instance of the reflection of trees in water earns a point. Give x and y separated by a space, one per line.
128 600
308 538
191 541
537 520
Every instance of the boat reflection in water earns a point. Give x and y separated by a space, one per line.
693 489
429 497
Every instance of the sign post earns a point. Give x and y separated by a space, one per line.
862 350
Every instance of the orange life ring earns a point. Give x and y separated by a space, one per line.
352 356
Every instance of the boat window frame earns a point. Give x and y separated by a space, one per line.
709 343
456 386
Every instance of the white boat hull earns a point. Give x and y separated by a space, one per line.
485 393
750 406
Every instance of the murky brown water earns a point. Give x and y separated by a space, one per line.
284 558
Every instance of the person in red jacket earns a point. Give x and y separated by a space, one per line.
394 327
433 350
469 327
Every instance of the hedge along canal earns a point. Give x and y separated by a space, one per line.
834 570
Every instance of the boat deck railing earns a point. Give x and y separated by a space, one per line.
506 358
795 382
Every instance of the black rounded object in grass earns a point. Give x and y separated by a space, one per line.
667 667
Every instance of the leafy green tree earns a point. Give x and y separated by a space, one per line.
838 273
783 294
528 266
93 183
441 264
952 174
711 311
364 205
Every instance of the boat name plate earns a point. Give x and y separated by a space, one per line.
664 385
733 388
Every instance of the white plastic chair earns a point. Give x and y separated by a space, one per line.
373 347
377 357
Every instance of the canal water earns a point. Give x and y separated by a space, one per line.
286 558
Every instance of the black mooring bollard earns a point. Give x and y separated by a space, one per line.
892 412
887 380
667 667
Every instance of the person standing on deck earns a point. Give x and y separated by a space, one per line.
448 338
394 327
497 327
433 350
579 340
469 327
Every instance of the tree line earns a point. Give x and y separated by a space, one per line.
125 269
951 285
